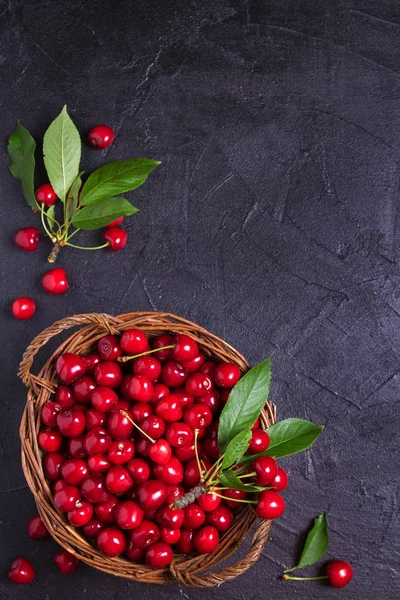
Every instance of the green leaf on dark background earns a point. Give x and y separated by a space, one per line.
102 213
21 149
230 480
236 448
62 153
116 178
316 543
245 403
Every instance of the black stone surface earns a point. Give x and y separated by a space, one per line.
272 222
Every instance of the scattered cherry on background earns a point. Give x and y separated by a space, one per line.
46 195
55 281
23 308
21 571
116 238
27 239
101 136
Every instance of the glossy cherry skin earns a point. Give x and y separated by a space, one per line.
209 502
266 469
198 416
139 470
74 471
94 489
94 418
111 542
128 514
108 374
235 495
159 555
192 473
115 223
116 238
169 409
140 388
141 410
91 361
186 348
185 453
21 571
81 514
161 341
71 422
64 397
108 348
145 534
160 391
226 375
194 365
49 413
185 543
194 517
50 440
55 281
66 562
76 448
152 494
134 554
103 399
184 398
259 441
174 492
118 480
170 517
121 451
270 505
143 446
280 481
37 530
46 195
66 498
101 136
198 385
93 527
169 536
173 374
82 389
208 368
179 434
221 518
170 473
212 400
52 463
70 367
134 341
206 539
340 573
153 426
105 511
160 452
23 308
99 463
149 366
119 426
27 239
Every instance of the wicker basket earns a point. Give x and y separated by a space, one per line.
194 571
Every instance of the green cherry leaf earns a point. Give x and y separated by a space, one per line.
116 178
50 216
245 403
236 448
230 480
102 213
316 543
21 149
62 153
71 203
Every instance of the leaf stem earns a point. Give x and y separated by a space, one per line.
126 358
70 236
86 247
246 475
235 499
123 412
291 578
51 236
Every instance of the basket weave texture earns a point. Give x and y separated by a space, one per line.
200 571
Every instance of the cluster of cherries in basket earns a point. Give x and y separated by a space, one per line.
125 438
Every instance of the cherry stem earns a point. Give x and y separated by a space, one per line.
235 499
123 412
247 475
87 247
51 235
215 468
68 237
126 358
290 578
196 450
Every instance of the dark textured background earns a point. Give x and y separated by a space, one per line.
272 222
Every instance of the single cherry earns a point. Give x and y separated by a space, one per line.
94 489
128 514
139 470
55 281
153 426
74 471
105 511
93 527
49 413
46 195
37 530
111 541
280 481
103 399
152 494
198 416
198 385
50 440
259 441
91 361
170 517
66 562
121 451
64 397
206 539
159 555
81 514
149 366
184 398
171 472
174 374
139 388
70 367
21 571
141 410
66 498
194 365
52 463
108 374
186 348
94 418
169 409
169 536
194 517
76 448
160 452
192 473
179 434
145 534
161 341
101 136
185 453
119 426
71 422
116 238
212 400
97 441
108 348
99 463
221 517
270 505
160 391
208 368
209 502
134 554
23 308
185 543
174 492
340 573
236 496
134 341
266 469
226 375
27 239
82 388
118 480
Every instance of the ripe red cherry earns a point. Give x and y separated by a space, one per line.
108 348
206 539
93 527
266 469
179 434
153 426
64 397
170 517
169 409
221 517
141 410
27 239
21 571
71 422
152 494
103 399
192 473
108 374
50 440
70 367
184 398
174 374
119 426
66 562
174 492
139 470
91 361
121 405
226 375
94 489
23 308
194 365
171 472
161 341
259 441
128 514
100 463
115 223
118 480
198 385
185 542
81 514
169 536
209 502
94 418
105 511
148 366
145 534
270 505
82 389
134 554
66 498
212 400
101 136
160 452
75 447
140 388
340 573
194 517
160 391
49 413
121 451
235 495
185 453
52 465
46 195
74 471
211 448
97 441
134 341
143 446
197 416
208 368
37 530
116 238
111 542
159 555
186 348
280 481
55 281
